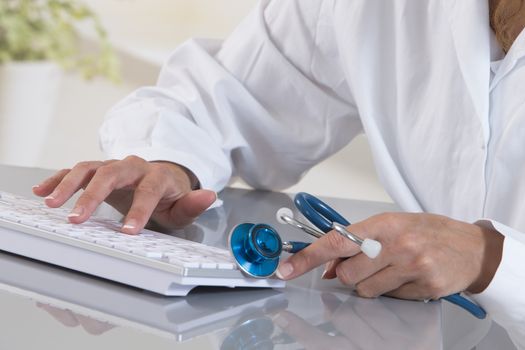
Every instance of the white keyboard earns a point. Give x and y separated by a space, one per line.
150 260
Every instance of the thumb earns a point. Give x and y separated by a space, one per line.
190 206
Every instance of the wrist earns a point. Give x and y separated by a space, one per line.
492 246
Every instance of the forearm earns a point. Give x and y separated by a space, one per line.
503 298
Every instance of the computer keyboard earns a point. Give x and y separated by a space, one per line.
152 261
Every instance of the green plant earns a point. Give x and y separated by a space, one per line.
35 30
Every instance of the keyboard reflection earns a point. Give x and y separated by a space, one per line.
100 305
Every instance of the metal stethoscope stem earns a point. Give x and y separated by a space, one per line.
369 247
347 234
285 216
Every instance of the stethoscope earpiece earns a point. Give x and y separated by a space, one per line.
282 214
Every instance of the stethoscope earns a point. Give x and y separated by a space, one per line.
257 248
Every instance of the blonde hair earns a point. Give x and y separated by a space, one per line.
507 19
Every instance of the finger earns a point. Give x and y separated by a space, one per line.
94 327
121 199
411 314
349 321
306 334
46 187
65 317
71 183
329 247
106 179
381 311
189 207
145 199
331 303
410 291
329 269
382 282
359 267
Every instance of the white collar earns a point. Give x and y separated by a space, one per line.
516 52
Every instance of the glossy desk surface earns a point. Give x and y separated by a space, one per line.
46 307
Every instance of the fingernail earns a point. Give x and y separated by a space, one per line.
129 225
52 196
327 266
76 212
284 270
35 186
280 321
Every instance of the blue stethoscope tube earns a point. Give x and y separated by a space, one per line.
320 214
258 247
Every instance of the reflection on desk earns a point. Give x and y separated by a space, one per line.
351 322
102 305
309 313
239 318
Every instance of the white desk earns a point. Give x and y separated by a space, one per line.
46 307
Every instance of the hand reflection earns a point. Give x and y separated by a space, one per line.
70 319
359 323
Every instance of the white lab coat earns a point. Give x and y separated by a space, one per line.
298 79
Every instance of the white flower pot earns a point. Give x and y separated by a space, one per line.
28 96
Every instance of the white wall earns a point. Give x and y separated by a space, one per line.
145 31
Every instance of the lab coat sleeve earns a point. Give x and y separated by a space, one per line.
504 299
267 104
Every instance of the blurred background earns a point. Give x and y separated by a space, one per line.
49 116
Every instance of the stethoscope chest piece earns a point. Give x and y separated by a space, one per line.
256 249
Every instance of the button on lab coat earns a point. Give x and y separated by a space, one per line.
298 79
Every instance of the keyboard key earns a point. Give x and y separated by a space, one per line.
148 253
209 265
226 266
184 262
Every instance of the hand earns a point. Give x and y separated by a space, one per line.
424 256
137 188
357 323
70 319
